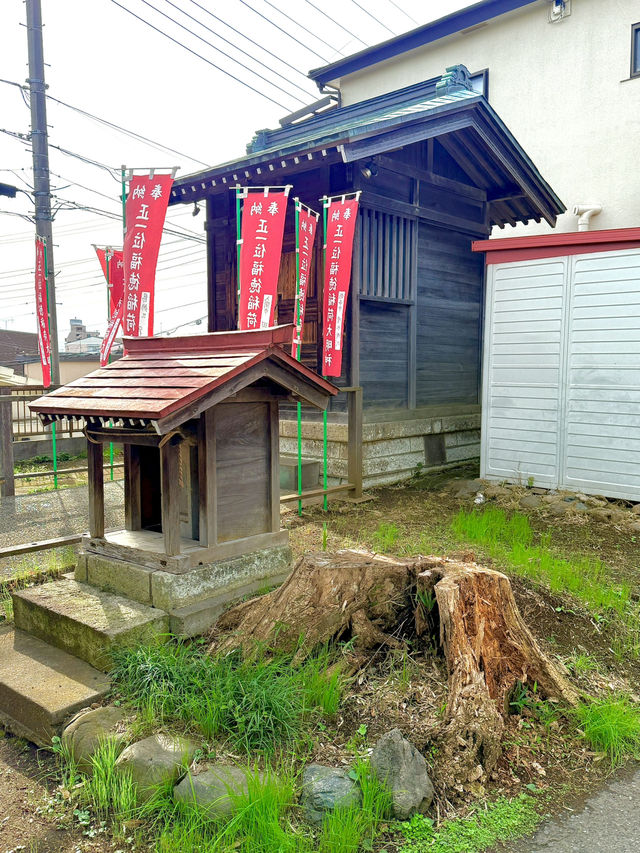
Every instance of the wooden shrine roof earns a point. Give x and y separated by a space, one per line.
161 378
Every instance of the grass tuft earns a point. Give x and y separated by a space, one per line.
611 726
258 703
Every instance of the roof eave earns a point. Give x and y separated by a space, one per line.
479 13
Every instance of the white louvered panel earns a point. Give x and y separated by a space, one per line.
601 436
522 392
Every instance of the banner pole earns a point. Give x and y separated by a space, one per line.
324 413
238 246
54 452
298 347
107 258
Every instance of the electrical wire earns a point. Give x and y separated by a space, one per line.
373 17
333 21
231 58
400 9
250 40
227 41
273 24
302 26
199 55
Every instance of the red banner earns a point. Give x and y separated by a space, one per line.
42 313
112 263
110 334
145 211
263 215
339 230
307 226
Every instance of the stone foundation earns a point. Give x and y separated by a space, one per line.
392 450
193 599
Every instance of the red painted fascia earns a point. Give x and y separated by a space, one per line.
511 249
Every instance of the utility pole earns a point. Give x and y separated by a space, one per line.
40 150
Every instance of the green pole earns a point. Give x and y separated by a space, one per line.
324 414
54 453
107 259
238 245
298 348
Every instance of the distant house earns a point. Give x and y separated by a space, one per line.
437 168
15 347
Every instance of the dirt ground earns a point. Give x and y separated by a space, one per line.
32 817
403 689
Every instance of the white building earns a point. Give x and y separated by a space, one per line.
564 76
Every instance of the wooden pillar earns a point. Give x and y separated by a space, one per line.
274 435
354 441
132 507
170 486
96 489
7 486
207 479
211 267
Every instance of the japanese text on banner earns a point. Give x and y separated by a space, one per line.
145 212
340 229
307 226
263 218
42 313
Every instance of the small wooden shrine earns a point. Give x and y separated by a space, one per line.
198 418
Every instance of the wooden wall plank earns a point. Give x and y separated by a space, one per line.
95 487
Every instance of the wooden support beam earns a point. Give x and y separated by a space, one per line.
170 484
274 492
132 504
7 486
207 485
95 473
354 440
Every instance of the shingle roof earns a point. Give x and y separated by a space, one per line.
159 377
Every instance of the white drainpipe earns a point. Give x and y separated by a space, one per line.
585 212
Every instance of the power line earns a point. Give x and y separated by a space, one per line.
333 21
250 40
400 9
273 24
231 58
302 27
227 41
373 17
199 55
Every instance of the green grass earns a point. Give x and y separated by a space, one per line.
386 536
258 703
510 541
611 726
501 820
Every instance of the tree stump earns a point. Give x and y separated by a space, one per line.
488 648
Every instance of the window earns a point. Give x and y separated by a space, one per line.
635 50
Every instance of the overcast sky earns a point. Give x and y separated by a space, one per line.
103 60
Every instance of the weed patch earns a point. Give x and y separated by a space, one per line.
501 820
258 703
611 726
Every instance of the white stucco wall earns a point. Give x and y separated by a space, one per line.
563 89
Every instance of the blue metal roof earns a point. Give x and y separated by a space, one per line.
450 24
445 109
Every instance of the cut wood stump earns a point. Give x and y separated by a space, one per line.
368 598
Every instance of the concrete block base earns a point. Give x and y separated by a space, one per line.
41 686
87 622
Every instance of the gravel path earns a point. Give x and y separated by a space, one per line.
607 822
29 518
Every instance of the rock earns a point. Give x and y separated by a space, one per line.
579 506
552 498
88 729
325 789
494 492
216 789
634 527
608 513
530 501
636 509
559 508
398 764
464 488
155 761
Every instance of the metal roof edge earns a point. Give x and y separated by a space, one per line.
449 25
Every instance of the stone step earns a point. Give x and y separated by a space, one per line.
289 473
85 621
41 686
